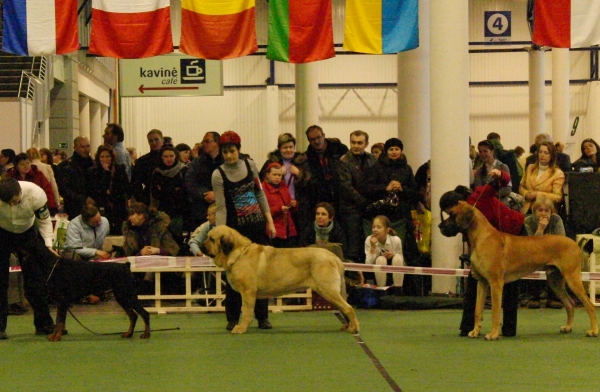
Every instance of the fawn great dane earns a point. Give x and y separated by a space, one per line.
498 258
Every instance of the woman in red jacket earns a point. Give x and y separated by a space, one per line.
25 171
282 206
485 198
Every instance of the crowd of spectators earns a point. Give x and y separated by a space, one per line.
327 193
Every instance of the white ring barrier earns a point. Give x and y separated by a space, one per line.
162 262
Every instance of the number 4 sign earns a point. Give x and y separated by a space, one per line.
497 26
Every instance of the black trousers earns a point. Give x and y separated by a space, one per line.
352 222
510 304
35 267
233 300
233 306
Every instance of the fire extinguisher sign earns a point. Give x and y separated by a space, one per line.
497 26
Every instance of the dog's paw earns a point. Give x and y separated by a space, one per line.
566 329
592 333
474 334
491 336
351 327
54 337
145 335
126 335
238 330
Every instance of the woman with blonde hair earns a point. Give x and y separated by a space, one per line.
543 221
542 179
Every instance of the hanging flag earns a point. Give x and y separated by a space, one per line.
131 29
300 31
40 27
218 30
381 26
566 23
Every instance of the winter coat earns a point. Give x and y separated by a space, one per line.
110 190
277 198
154 232
70 176
385 171
38 178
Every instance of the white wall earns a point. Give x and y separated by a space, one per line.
10 126
347 107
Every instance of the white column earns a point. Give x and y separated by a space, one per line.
104 118
414 98
561 103
272 114
307 101
96 126
450 163
592 121
84 116
537 93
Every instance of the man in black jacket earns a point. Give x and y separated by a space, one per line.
71 175
141 175
198 178
323 156
351 171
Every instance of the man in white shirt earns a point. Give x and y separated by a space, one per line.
25 227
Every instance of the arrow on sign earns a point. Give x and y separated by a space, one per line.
142 88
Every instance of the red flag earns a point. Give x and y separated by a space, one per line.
132 29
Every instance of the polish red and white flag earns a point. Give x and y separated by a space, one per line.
131 29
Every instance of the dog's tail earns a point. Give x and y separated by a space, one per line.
587 246
587 252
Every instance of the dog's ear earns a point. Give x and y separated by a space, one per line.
227 244
465 215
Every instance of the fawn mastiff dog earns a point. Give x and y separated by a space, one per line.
257 271
498 258
71 280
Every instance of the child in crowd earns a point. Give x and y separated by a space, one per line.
377 149
382 246
282 206
200 234
202 281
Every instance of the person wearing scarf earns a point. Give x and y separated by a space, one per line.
168 190
324 229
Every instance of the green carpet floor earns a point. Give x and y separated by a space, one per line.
305 351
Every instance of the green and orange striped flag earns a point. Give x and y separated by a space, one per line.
218 29
300 31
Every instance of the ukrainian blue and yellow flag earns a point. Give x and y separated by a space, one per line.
381 26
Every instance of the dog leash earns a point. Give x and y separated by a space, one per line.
117 333
57 260
52 271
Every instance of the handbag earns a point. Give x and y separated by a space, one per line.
390 207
